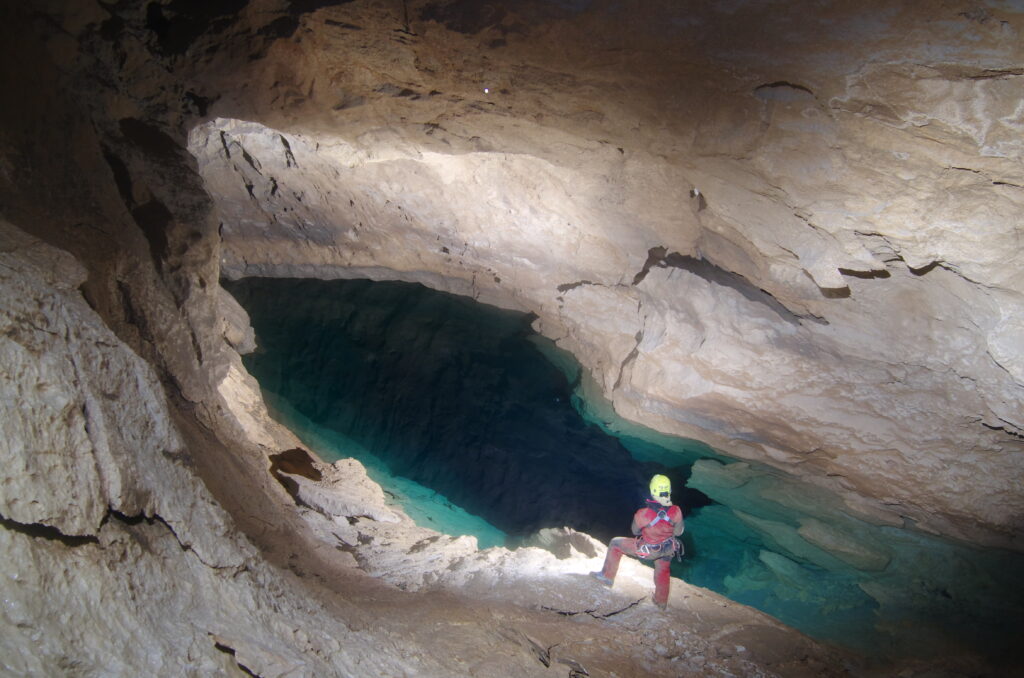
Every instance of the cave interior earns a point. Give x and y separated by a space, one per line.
514 257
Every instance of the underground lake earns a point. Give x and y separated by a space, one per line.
477 425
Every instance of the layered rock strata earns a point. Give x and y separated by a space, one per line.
805 253
792 234
107 531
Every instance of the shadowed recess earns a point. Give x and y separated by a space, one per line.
296 462
448 393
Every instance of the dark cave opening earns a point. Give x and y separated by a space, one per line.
450 394
468 402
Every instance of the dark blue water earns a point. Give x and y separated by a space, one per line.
477 425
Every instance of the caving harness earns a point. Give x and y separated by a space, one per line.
662 515
663 549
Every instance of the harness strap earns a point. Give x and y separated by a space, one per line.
662 515
645 550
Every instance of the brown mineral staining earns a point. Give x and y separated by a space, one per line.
296 462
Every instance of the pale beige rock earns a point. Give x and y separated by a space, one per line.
44 438
82 412
108 531
1004 342
877 152
566 542
240 395
139 577
873 197
237 330
345 491
554 577
684 353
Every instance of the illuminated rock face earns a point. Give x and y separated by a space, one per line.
105 526
107 530
796 239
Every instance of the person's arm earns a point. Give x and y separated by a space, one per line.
679 526
639 523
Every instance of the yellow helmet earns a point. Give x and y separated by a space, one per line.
661 490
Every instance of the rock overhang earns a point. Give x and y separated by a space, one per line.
855 182
779 161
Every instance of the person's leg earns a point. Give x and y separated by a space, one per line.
662 581
616 547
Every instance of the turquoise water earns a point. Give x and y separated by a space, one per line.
426 507
476 425
921 592
445 392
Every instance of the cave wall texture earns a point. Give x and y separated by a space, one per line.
791 231
791 234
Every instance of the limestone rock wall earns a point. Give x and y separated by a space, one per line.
795 236
85 429
860 166
118 561
106 527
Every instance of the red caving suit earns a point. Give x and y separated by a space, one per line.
654 542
